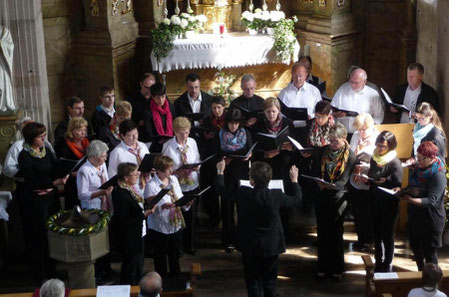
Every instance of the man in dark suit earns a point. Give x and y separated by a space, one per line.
260 236
193 100
105 111
75 107
140 101
414 92
248 100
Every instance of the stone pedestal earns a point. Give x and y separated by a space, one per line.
104 51
330 39
79 254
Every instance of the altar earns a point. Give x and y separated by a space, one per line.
235 53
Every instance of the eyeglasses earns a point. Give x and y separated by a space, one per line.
421 158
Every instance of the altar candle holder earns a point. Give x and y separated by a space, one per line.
177 10
251 6
264 6
165 9
278 5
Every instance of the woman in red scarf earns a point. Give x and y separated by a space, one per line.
74 148
158 120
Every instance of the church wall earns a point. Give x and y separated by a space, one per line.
433 48
58 26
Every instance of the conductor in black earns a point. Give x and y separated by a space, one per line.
259 233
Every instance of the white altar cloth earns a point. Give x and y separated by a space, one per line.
210 51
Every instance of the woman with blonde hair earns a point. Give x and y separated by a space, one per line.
74 148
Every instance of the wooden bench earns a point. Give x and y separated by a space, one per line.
195 272
399 287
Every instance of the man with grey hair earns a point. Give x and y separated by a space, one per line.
356 95
248 100
150 285
52 288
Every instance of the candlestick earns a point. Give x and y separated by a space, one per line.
264 6
165 9
177 11
189 9
251 6
278 5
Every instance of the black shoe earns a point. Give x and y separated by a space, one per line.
379 267
191 252
230 249
337 277
321 276
387 268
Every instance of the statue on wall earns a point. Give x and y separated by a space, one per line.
6 60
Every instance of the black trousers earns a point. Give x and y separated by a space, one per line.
329 220
260 274
385 214
188 234
361 205
425 239
132 267
210 198
166 246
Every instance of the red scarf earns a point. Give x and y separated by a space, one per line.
78 150
218 122
156 111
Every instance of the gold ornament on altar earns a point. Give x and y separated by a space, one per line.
95 8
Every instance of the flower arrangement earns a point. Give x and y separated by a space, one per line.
261 19
285 38
169 29
223 84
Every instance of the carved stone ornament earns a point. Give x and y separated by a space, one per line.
127 6
340 3
95 8
114 7
322 3
307 1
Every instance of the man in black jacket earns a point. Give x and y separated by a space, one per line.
414 92
193 100
259 235
105 111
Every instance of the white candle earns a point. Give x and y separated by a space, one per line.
165 9
264 6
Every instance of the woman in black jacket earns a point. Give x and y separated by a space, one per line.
128 222
426 208
234 140
386 172
36 162
334 165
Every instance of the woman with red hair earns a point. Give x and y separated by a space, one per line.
426 211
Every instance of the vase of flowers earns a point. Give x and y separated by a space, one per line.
223 84
274 18
171 29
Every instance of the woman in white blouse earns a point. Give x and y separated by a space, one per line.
166 222
183 150
91 176
129 150
363 143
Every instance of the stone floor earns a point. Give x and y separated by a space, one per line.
222 274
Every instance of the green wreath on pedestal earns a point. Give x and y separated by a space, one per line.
53 226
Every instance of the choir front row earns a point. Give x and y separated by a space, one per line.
343 176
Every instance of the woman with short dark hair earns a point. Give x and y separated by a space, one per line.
386 172
431 276
36 162
426 210
234 140
129 222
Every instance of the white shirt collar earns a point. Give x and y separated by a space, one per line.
418 89
303 88
199 99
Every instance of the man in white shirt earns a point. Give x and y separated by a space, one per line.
300 93
355 95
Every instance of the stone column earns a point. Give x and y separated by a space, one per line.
104 51
30 84
330 36
407 39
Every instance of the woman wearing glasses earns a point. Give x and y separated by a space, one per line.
426 210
